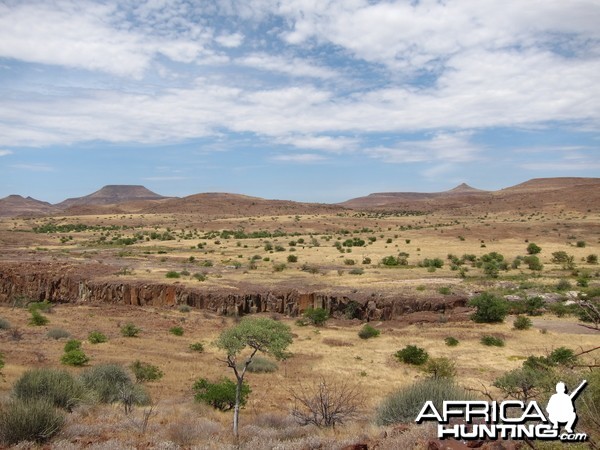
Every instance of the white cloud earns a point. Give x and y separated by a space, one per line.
33 167
230 40
296 67
5 152
164 178
302 158
325 143
449 148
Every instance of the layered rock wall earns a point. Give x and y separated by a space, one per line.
67 284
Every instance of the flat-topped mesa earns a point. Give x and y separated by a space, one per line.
110 195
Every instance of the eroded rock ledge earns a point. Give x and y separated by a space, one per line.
96 283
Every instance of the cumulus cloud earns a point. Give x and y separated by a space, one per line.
302 158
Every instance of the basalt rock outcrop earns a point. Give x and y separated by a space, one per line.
96 283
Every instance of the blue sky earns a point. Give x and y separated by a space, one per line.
311 100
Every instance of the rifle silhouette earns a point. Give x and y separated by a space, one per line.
576 392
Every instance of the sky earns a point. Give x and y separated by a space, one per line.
308 100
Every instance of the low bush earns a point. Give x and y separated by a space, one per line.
367 332
197 347
172 274
562 356
56 386
145 372
411 354
177 331
489 308
74 358
4 324
58 333
220 395
316 316
72 344
492 341
29 420
111 383
96 337
260 364
130 330
522 323
292 258
405 404
440 368
451 341
184 308
38 319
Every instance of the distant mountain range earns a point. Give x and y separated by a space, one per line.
578 194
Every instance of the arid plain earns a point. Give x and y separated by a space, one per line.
407 264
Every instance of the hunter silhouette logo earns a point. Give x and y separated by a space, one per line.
510 419
560 406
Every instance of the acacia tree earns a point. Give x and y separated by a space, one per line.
244 341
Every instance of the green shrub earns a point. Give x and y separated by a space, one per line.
592 259
130 330
522 323
533 249
533 262
411 354
40 306
489 308
200 277
110 382
72 344
367 332
445 290
260 364
177 331
492 341
534 305
356 271
38 319
74 358
4 324
440 368
581 244
197 347
292 258
220 395
29 420
563 285
451 341
405 404
562 356
145 372
279 267
316 316
172 274
184 308
96 337
56 386
58 333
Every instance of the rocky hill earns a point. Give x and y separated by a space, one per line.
111 195
16 205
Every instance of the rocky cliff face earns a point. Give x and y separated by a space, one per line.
65 283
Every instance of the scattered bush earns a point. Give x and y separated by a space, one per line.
58 333
581 244
592 259
292 258
172 274
522 323
492 341
367 332
111 383
38 319
562 356
490 309
184 308
58 387
197 347
440 368
4 324
74 358
563 285
220 395
533 262
177 331
316 316
411 354
451 341
260 364
534 305
72 344
533 249
445 290
145 372
405 404
29 420
130 330
96 337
